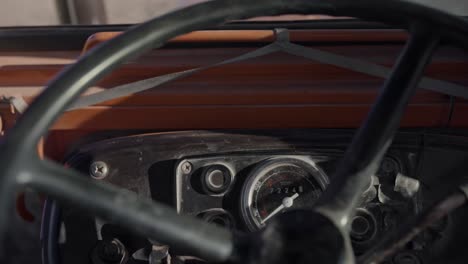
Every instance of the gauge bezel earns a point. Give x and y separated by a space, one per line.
265 167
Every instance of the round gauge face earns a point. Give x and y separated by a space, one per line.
278 185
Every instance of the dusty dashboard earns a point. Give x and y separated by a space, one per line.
242 179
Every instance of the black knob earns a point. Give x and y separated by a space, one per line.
216 179
218 217
109 252
364 230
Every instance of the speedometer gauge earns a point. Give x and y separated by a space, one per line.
277 185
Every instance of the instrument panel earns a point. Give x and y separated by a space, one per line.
254 187
244 192
242 180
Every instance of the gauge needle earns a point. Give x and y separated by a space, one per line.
286 203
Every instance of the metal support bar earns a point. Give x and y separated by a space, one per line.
81 12
373 138
63 11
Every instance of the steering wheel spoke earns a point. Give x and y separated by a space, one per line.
372 140
119 206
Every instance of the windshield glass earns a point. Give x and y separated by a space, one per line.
100 12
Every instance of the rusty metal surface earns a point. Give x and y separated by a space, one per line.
267 36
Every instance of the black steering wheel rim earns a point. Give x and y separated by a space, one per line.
19 161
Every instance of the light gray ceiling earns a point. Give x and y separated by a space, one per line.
44 12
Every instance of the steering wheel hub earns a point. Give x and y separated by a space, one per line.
300 236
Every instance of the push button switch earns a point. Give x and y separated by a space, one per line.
216 179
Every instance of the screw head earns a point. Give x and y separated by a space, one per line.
98 170
186 167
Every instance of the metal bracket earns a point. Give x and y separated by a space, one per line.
17 104
10 107
464 189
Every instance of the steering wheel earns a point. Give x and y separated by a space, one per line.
320 235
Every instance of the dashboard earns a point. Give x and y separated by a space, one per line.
243 179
